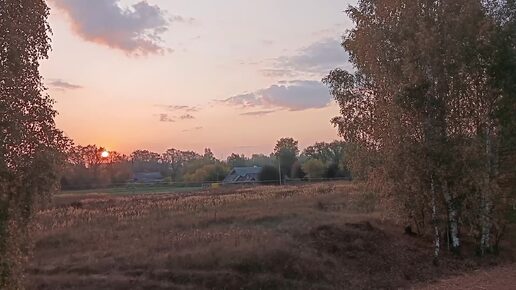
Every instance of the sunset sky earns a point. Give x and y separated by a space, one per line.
232 75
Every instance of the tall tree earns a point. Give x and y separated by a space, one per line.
146 161
30 144
423 97
175 160
286 152
261 160
208 154
236 160
332 155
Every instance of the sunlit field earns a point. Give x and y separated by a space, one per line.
320 236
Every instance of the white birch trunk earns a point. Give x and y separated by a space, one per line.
453 219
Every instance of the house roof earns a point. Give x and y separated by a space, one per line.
243 174
247 170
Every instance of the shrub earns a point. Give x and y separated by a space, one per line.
269 175
314 168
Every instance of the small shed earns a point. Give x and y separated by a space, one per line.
240 175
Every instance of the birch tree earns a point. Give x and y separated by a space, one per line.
425 97
30 144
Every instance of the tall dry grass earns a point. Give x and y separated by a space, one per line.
325 236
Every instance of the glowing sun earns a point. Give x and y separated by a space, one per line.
104 154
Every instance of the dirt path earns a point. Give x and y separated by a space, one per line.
503 278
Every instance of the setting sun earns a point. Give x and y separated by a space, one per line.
104 154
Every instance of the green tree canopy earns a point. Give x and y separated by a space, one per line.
286 152
269 175
333 155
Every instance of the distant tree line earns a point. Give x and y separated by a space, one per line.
86 168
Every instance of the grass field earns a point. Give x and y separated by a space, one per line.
322 236
137 189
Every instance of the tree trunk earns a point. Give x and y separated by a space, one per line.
453 220
4 232
486 204
3 260
435 222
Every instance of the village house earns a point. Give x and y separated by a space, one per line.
240 175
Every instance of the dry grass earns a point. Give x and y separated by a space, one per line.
499 278
327 236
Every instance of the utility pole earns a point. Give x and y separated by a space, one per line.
279 169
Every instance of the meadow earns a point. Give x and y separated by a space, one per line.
318 236
138 189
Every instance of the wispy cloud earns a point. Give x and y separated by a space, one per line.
278 72
136 30
258 113
177 113
179 18
186 117
166 118
194 129
180 108
295 96
63 85
316 59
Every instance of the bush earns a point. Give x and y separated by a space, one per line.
207 173
297 171
314 168
269 175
